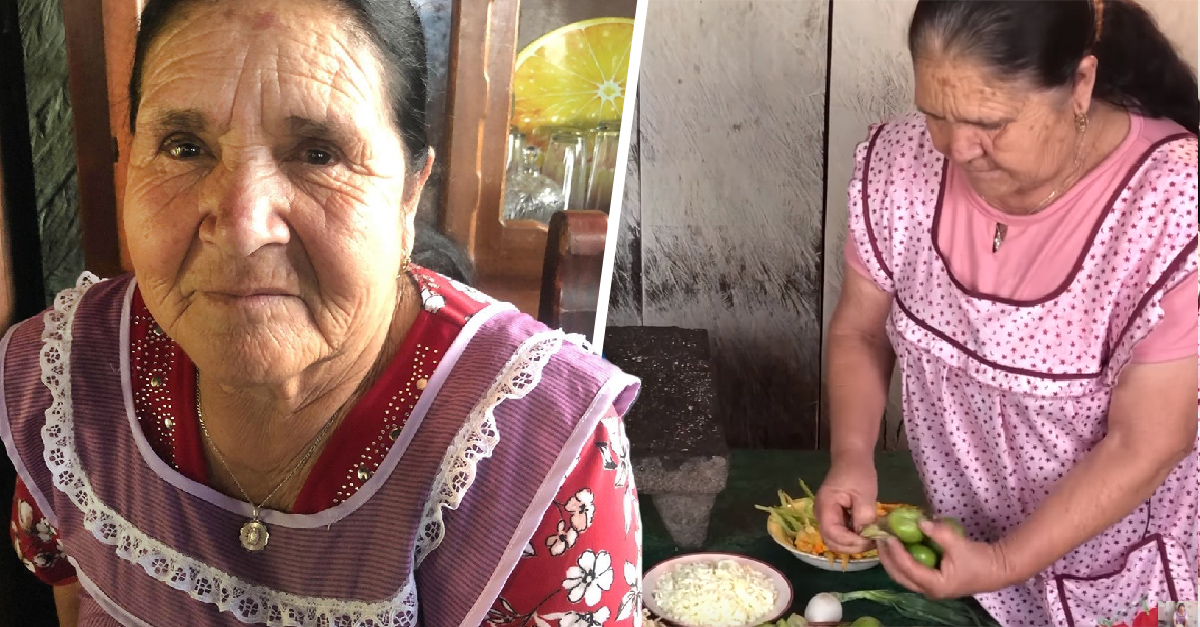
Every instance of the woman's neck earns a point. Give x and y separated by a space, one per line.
259 435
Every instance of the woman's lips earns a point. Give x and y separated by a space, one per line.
249 298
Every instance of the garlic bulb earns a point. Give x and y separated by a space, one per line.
823 608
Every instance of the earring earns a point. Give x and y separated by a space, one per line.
405 266
1081 122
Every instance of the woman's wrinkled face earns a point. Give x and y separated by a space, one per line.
267 212
1006 136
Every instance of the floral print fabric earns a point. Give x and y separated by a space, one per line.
589 542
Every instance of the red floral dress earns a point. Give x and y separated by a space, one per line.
581 569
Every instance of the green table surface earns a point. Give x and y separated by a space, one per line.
736 527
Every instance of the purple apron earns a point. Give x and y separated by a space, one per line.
430 539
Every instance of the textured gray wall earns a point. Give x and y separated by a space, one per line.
51 129
730 132
625 296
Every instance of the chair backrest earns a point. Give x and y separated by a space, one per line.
571 272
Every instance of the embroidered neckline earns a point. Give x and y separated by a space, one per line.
249 603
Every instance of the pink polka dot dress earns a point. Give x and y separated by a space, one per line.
1006 390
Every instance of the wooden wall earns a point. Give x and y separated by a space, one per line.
734 216
8 297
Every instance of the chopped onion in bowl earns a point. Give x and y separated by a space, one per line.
715 594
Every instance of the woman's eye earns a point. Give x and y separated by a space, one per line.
184 150
318 156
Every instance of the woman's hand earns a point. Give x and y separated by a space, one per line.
967 567
848 492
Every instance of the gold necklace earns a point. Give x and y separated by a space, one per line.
254 534
1081 125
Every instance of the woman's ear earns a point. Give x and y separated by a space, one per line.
414 185
1085 82
416 181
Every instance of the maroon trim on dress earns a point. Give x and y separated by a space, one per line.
1060 580
1106 355
866 208
1166 560
1156 288
1129 174
989 363
1061 585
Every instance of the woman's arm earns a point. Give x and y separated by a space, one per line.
860 365
36 543
860 369
66 600
1151 428
583 564
860 358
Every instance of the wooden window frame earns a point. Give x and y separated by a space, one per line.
483 48
95 145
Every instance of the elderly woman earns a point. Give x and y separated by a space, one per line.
1026 247
278 419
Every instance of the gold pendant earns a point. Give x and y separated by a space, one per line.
998 238
254 534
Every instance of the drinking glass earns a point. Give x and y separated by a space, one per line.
566 164
530 195
603 168
516 143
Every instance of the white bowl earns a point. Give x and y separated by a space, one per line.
818 561
783 588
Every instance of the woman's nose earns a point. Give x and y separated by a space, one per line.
966 144
243 209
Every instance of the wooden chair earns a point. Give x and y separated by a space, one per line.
571 271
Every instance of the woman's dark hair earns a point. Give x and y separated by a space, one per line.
392 27
434 251
1045 40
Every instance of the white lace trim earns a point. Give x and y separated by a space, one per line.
248 602
581 340
479 435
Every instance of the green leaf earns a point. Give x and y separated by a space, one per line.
953 613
